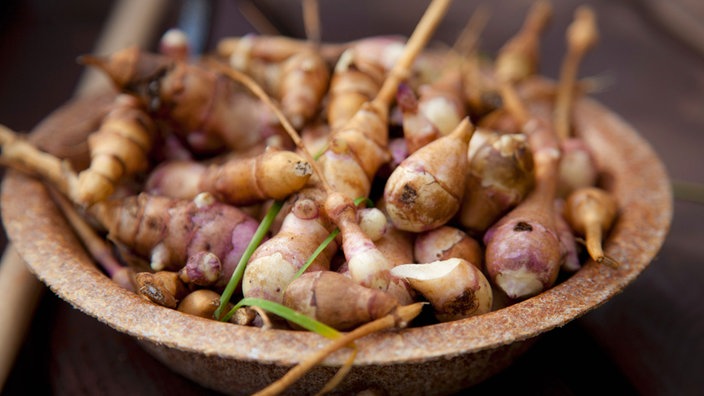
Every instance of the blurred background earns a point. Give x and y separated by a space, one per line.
648 340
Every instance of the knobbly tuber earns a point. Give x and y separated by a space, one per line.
269 48
358 76
577 167
518 58
120 148
299 81
523 251
162 287
499 175
199 103
366 264
274 174
455 287
201 302
318 295
436 112
447 242
304 82
425 190
591 211
167 231
275 262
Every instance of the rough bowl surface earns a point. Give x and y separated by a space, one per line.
437 359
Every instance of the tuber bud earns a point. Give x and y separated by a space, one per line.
202 269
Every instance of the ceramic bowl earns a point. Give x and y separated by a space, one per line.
435 359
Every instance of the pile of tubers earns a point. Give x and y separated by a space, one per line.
443 177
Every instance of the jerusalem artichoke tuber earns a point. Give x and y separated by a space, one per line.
523 252
275 262
197 101
168 231
118 149
454 287
162 287
591 212
447 242
499 175
273 174
437 111
426 189
319 295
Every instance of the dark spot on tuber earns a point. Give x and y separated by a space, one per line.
152 223
303 168
523 226
409 195
464 303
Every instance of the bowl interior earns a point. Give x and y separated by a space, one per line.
637 178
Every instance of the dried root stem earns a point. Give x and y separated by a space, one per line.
397 319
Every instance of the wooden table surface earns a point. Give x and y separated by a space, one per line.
648 340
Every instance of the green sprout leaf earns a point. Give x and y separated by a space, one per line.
368 202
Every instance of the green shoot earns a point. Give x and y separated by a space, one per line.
368 202
253 244
321 152
288 314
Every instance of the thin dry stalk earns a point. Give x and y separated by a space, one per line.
96 245
311 20
23 155
397 319
582 35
